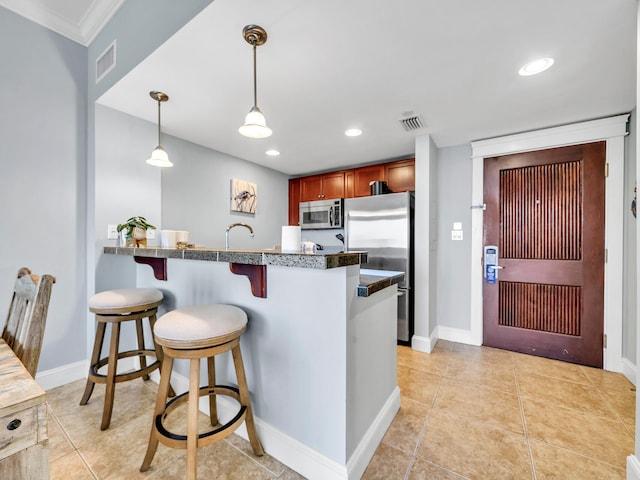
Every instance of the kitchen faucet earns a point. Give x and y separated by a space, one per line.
226 232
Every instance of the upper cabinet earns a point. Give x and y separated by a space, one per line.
363 176
400 177
318 187
294 201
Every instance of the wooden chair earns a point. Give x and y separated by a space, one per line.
24 328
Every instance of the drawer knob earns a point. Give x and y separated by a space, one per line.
13 424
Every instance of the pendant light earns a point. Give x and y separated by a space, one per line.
255 126
159 157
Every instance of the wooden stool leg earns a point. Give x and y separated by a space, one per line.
159 352
213 406
192 428
95 358
161 402
111 376
245 399
140 334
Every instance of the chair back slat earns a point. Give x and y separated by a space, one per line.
24 328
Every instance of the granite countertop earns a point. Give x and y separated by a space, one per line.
272 256
372 281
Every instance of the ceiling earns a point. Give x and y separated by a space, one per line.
332 65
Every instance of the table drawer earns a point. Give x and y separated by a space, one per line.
18 431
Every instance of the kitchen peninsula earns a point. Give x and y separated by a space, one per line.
320 350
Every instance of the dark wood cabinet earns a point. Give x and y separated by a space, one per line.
294 201
364 176
349 183
319 187
399 175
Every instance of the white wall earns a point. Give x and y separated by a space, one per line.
193 195
196 196
454 257
43 91
425 244
629 312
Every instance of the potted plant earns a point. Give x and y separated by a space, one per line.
136 231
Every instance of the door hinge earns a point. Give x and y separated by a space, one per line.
606 170
604 340
606 255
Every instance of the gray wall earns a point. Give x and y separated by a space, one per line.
193 195
454 257
196 195
43 92
629 298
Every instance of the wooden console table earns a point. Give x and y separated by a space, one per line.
24 444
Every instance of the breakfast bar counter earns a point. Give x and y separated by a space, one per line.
320 359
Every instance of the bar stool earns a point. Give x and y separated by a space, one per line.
115 307
195 333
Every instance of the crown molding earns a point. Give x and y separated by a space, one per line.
92 19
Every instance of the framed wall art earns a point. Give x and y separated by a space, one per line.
244 196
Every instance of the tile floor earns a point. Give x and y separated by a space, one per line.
466 412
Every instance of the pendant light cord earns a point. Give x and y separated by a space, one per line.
255 81
159 102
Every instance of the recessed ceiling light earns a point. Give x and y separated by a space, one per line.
353 132
272 153
536 66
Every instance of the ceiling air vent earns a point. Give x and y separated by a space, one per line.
106 62
412 123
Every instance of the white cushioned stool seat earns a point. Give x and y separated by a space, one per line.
200 325
125 298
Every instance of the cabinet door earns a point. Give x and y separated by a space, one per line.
311 188
333 185
365 175
294 201
349 183
400 176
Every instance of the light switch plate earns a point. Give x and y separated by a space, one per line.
457 225
112 232
151 234
456 234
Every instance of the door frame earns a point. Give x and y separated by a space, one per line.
612 130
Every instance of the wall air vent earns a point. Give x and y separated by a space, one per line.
106 62
414 122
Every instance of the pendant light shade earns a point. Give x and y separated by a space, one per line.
255 126
159 157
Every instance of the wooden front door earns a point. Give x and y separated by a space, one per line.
545 213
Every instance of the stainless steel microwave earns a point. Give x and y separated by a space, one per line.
321 214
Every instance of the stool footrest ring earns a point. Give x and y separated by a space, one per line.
180 441
123 377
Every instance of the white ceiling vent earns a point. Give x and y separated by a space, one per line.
412 123
106 62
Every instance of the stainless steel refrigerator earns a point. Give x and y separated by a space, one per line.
383 226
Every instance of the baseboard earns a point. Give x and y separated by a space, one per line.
357 464
298 456
59 376
455 335
633 468
424 344
629 370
